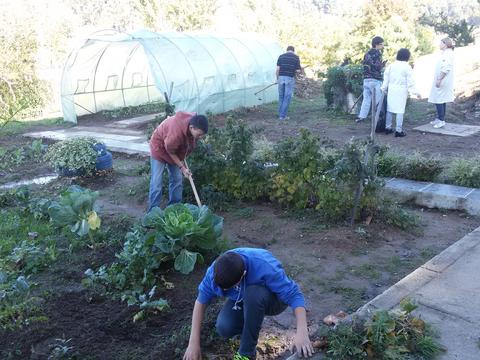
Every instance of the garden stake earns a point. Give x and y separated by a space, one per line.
193 186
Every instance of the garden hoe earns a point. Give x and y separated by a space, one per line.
260 97
190 178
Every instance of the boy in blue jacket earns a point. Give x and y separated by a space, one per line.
256 285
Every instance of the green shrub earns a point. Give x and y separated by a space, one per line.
391 213
341 80
414 167
224 161
263 150
464 172
73 154
301 166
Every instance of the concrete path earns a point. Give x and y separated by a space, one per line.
116 135
433 195
447 290
450 129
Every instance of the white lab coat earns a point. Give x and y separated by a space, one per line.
398 82
444 93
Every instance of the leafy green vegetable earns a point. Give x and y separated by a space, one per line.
76 209
182 234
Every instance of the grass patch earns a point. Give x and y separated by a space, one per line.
16 127
366 271
353 298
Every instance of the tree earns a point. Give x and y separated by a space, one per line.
452 18
20 87
396 22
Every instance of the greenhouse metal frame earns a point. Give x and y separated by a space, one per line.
199 72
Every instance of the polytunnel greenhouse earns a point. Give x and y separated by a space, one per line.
198 71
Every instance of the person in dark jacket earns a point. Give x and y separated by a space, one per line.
288 65
372 76
255 285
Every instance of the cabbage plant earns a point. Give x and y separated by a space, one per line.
77 210
182 231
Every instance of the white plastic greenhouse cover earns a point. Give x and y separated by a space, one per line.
201 72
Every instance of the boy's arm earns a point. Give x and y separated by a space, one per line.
302 344
193 351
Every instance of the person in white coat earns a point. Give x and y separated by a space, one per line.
442 87
398 83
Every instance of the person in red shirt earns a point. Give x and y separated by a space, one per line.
171 142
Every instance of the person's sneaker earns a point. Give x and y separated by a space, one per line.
400 134
439 124
434 122
237 356
388 131
359 119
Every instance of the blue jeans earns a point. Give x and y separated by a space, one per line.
257 302
286 86
175 183
398 121
441 110
369 87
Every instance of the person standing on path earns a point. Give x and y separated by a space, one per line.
288 65
372 77
255 285
398 83
171 142
442 87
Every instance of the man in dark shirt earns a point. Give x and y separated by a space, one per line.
288 65
372 76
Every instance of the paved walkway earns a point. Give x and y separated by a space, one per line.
450 129
447 290
117 136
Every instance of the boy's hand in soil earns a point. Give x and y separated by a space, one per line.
302 344
193 353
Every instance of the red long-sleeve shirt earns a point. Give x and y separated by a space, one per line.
172 136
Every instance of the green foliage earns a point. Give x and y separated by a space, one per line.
225 162
28 245
181 234
18 308
451 18
76 209
396 22
386 335
181 230
14 157
129 111
312 176
414 167
464 172
391 213
194 15
73 154
300 167
345 343
341 80
21 90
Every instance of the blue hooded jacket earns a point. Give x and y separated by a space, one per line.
262 269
